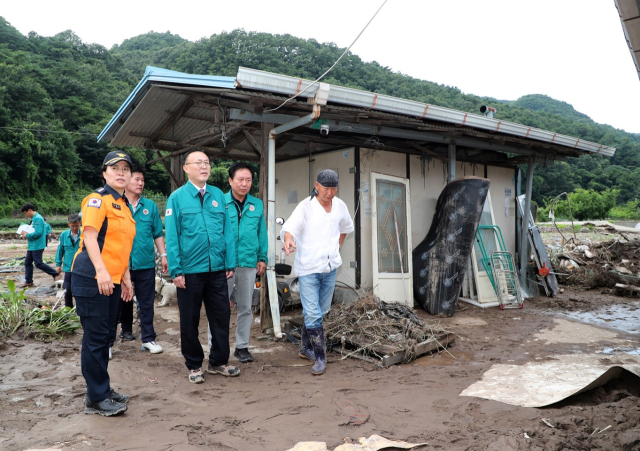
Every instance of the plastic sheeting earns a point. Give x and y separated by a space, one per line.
440 260
539 384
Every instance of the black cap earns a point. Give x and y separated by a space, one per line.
115 156
328 178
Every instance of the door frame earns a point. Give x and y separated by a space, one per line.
405 294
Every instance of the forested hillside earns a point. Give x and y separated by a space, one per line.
57 93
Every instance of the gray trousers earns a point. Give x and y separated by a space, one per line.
244 280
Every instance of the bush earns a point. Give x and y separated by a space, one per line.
625 212
12 224
585 205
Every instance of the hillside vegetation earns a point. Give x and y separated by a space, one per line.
57 93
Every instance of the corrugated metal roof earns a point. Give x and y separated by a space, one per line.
284 84
629 11
171 111
159 75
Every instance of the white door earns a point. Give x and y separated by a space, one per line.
391 244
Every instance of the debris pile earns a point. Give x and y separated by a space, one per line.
593 265
371 324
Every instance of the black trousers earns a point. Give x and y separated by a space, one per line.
36 257
209 288
145 286
145 290
68 295
98 315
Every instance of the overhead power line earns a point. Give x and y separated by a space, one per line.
334 64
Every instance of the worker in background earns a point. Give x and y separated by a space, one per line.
36 242
250 234
47 231
316 229
67 248
202 256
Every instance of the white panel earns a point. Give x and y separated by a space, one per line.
292 176
424 195
504 179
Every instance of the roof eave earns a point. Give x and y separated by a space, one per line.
158 75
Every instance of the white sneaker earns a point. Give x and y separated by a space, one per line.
152 347
110 356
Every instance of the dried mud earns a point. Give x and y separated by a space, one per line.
276 402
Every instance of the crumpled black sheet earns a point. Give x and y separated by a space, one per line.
440 260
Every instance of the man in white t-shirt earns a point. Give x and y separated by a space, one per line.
316 229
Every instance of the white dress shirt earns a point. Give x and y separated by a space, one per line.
317 235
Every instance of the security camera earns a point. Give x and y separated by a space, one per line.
324 130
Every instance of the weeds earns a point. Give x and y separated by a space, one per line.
13 311
39 322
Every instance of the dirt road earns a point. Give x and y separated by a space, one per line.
276 402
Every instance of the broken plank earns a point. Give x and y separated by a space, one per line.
354 356
432 344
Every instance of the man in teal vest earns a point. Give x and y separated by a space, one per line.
142 265
36 242
202 255
47 232
67 248
250 233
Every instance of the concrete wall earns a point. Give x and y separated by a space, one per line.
293 186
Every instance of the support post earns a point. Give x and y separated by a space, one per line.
266 322
271 214
524 237
176 168
452 162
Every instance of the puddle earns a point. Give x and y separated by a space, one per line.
444 358
564 331
621 317
615 351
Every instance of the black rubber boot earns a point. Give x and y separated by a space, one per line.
316 336
306 350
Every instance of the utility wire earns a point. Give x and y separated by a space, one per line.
334 64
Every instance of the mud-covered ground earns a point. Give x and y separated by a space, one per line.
276 402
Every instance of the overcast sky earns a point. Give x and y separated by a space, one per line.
571 50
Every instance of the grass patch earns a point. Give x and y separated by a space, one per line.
39 322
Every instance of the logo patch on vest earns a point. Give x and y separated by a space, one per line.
145 211
214 203
168 212
116 206
94 203
251 208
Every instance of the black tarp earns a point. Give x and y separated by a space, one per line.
440 260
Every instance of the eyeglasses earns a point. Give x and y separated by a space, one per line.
201 164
